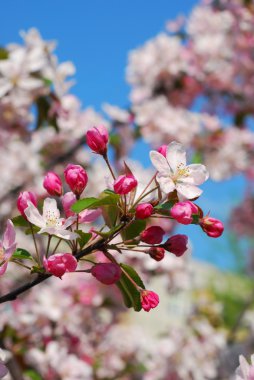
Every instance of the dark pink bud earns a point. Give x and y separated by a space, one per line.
107 273
157 253
68 199
149 300
23 198
60 263
76 178
212 227
182 212
176 244
53 184
144 210
152 235
163 150
125 184
97 139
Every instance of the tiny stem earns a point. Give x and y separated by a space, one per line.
21 264
143 196
131 280
35 244
59 241
48 245
149 183
105 156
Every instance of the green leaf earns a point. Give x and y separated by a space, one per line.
84 238
3 53
21 253
92 203
20 221
165 206
32 374
131 295
134 229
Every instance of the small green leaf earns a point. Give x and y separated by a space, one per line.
3 53
165 206
32 374
134 229
195 219
92 203
20 221
21 253
84 238
130 293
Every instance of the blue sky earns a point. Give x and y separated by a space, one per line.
97 36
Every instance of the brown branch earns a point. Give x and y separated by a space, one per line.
11 296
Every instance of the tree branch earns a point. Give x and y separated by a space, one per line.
11 296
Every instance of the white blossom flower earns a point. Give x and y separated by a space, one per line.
173 174
50 221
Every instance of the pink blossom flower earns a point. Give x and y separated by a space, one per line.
107 273
97 139
76 178
23 198
182 212
144 210
212 227
149 300
173 174
124 184
60 263
50 221
7 246
163 150
152 235
176 244
53 184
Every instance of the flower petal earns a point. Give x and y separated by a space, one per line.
176 155
50 208
3 268
160 163
198 174
9 235
61 233
89 216
187 191
34 216
69 221
166 183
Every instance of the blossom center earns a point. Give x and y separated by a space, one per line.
52 219
181 171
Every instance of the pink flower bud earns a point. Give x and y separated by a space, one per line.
149 300
157 253
53 184
182 212
76 178
97 139
152 235
107 273
163 150
212 227
176 244
60 263
125 184
23 198
144 210
68 199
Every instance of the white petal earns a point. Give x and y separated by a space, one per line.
69 221
34 216
29 83
160 162
61 233
176 155
9 235
50 207
198 174
187 191
166 183
244 366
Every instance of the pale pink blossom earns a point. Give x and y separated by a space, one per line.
245 371
60 263
173 174
50 221
7 246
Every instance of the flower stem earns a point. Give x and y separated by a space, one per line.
35 244
105 156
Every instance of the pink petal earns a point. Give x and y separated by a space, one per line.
9 235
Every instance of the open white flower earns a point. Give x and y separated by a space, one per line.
50 221
173 174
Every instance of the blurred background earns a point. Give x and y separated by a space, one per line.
151 73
